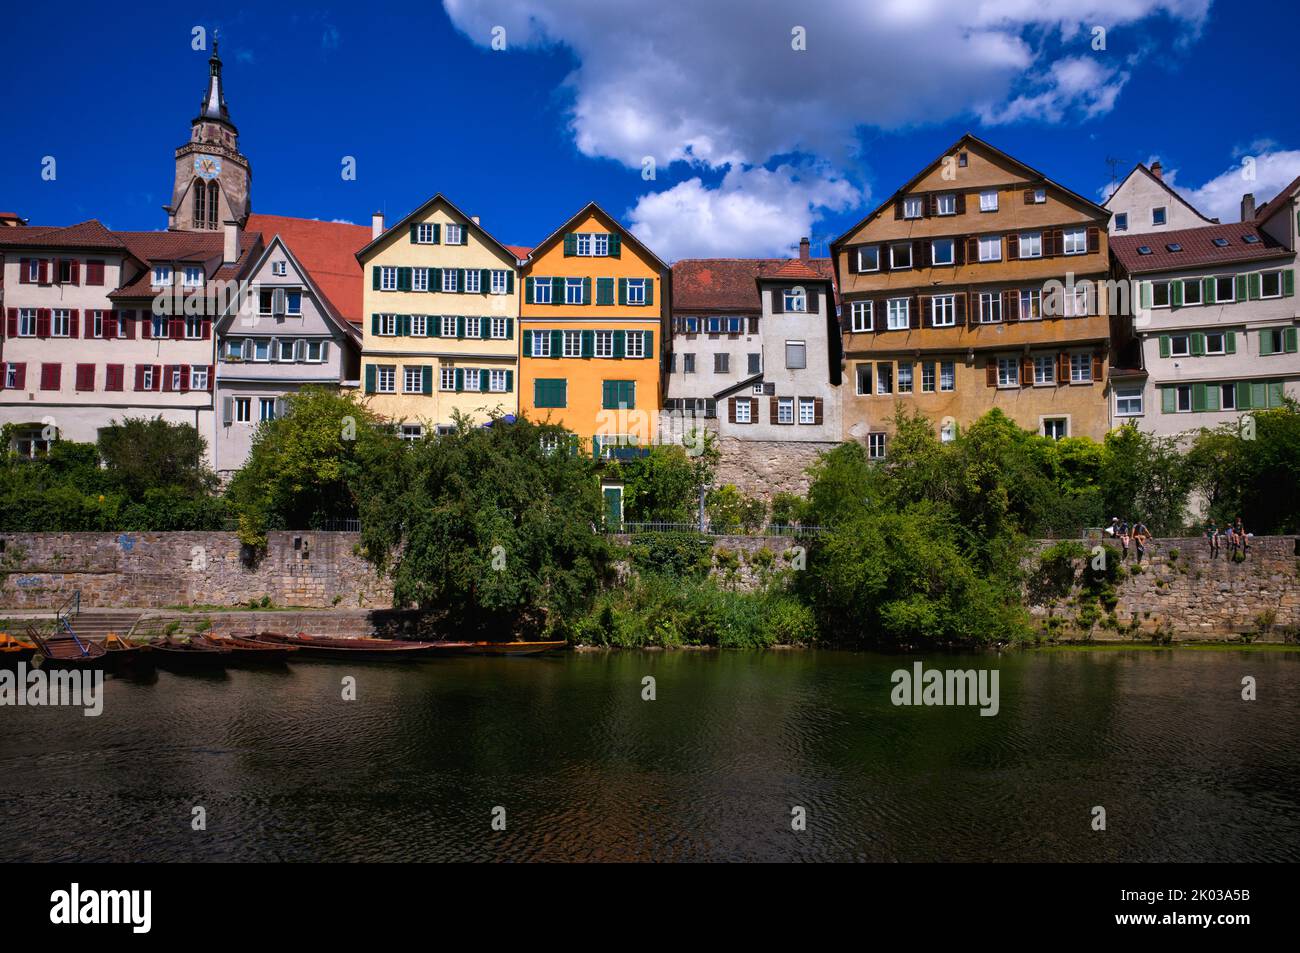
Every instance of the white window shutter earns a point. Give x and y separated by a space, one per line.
324 351
227 410
299 350
277 301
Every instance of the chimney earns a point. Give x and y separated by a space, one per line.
376 225
1158 170
230 247
474 219
1248 207
803 249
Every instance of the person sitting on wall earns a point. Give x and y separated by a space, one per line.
1212 534
1140 536
1230 533
1123 539
1243 538
1113 529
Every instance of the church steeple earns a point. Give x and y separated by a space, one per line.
214 100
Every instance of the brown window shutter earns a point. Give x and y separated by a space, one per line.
972 249
961 203
731 410
961 309
923 311
1058 241
959 251
914 311
778 300
1029 196
771 409
22 271
1096 367
1063 368
921 256
991 371
931 205
753 324
817 410
1013 246
157 377
74 323
1010 306
973 312
76 279
1094 239
898 208
753 410
1026 371
43 273
814 301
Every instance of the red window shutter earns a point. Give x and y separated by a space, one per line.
177 328
211 374
94 272
57 277
42 322
771 409
23 274
166 377
128 323
817 410
113 377
51 376
157 377
110 325
146 325
44 275
731 410
1094 239
207 329
185 377
1013 246
1096 367
85 377
74 323
76 272
139 377
991 372
11 323
20 378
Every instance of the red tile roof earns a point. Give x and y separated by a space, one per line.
729 284
1198 247
197 247
326 249
88 234
519 251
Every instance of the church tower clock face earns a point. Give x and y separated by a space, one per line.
207 167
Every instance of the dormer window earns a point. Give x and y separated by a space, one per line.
1174 247
162 276
193 277
1159 215
1250 239
912 207
1144 249
1221 243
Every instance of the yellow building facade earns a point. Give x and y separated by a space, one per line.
441 321
592 323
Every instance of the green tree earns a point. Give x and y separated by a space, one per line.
142 454
1249 470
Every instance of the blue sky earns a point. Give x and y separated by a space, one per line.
755 142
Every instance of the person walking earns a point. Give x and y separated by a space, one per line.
1212 534
1140 536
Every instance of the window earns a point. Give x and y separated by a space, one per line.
691 325
499 281
266 408
146 377
96 323
472 380
1225 290
634 345
448 326
499 329
688 363
34 270
1227 397
860 316
11 376
884 378
446 377
600 244
293 302
1080 368
243 410
412 432
419 279
162 276
426 233
941 251
573 291
795 299
1076 241
1270 284
451 280
785 410
497 381
947 376
583 242
721 363
1192 292
573 344
26 322
990 248
1121 222
550 392
194 276
1174 247
905 377
900 256
1039 196
898 315
1074 301
796 354
1128 401
177 378
388 278
455 234
713 325
60 323
743 408
618 395
604 344
198 378
990 307
286 348
807 410
541 344
315 352
927 377
541 290
474 328
636 290
386 379
419 325
1183 398
1214 342
948 432
158 326
1031 244
962 159
412 379
943 311
1158 215
1221 242
387 324
989 200
912 207
1044 370
946 204
1008 372
862 376
1056 428
1277 341
193 329
869 258
875 446
1180 345
1031 304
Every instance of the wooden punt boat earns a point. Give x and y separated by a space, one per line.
124 653
391 650
180 656
69 652
14 649
512 648
247 651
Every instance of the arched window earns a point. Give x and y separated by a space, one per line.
214 204
200 204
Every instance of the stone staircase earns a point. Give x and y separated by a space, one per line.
101 623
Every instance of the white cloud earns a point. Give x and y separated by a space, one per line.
1265 175
753 211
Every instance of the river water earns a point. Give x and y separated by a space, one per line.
581 767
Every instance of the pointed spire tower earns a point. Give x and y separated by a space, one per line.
213 178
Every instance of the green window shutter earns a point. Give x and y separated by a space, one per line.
1146 294
1242 292
1212 396
426 382
1207 291
374 324
484 281
404 325
615 241
435 279
1168 400
1176 294
460 379
1275 393
374 274
1265 343
622 291
604 291
586 291
630 392
1230 342
370 378
608 395
510 381
588 343
484 328
570 244
437 233
433 325
1164 345
403 279
650 344
1198 343
460 280
1253 286
1289 339
649 292
1288 282
414 232
1258 394
1198 397
1243 395
510 329
460 328
528 290
557 343
528 343
510 282
557 291
619 346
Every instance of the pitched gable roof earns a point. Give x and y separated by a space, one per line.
1273 205
591 208
201 248
330 310
731 284
406 222
1198 248
87 234
326 249
1142 168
